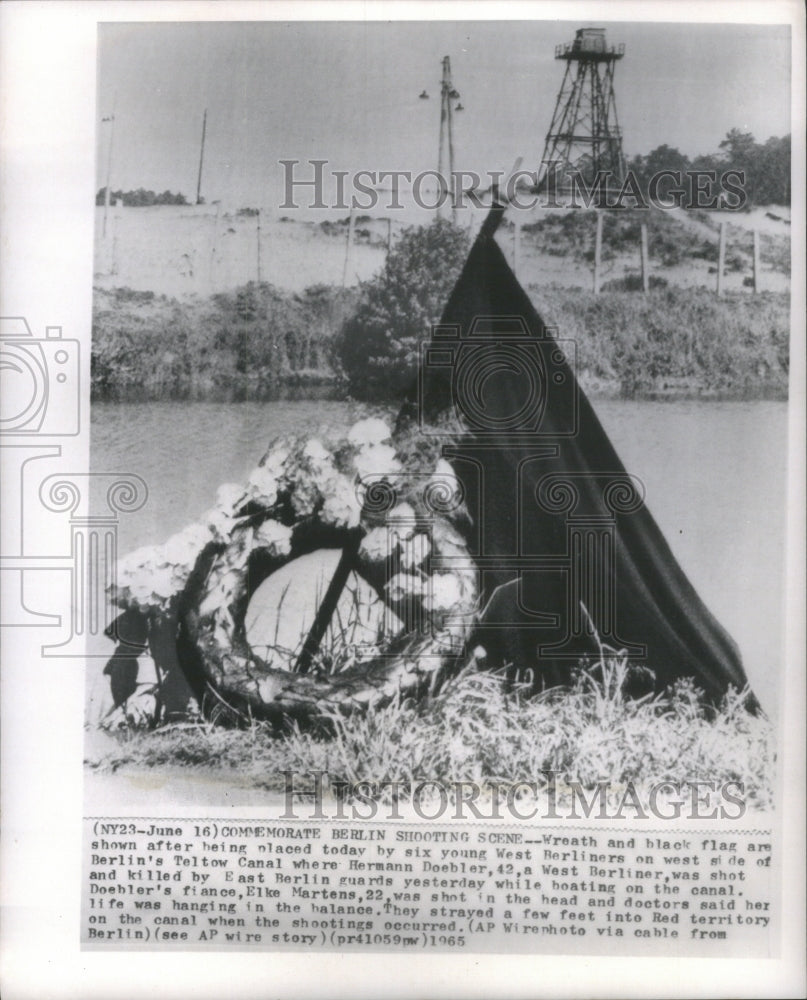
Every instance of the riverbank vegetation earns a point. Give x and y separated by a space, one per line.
235 345
257 339
674 341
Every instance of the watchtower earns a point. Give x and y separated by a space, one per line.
584 136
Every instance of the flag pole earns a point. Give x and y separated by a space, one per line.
499 206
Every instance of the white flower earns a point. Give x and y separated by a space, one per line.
415 551
218 523
262 485
302 477
167 571
402 519
228 495
141 592
404 585
376 461
199 534
182 548
446 592
276 457
316 451
148 577
179 577
372 431
444 468
161 583
274 537
375 545
444 473
305 496
342 507
136 562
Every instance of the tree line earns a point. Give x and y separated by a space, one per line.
766 165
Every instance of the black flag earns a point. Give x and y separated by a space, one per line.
570 558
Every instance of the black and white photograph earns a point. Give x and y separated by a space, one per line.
412 513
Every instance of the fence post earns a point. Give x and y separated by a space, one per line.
516 246
645 261
597 253
214 244
116 217
757 262
721 258
350 227
258 244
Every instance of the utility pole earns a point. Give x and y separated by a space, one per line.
201 160
111 120
447 95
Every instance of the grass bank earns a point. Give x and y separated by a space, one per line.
257 339
673 238
680 341
480 730
241 344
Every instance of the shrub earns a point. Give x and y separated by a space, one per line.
141 198
379 345
251 339
139 340
269 335
675 337
632 283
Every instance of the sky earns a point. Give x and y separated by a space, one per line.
347 92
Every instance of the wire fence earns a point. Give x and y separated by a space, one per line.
180 250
